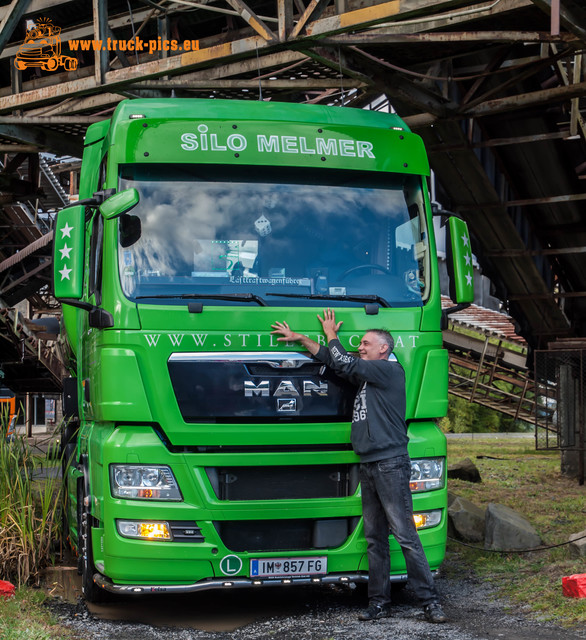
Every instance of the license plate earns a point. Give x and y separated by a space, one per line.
287 567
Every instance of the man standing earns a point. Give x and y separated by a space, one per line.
379 437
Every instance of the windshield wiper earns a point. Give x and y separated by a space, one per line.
323 296
237 297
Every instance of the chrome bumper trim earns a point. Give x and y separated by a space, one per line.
231 583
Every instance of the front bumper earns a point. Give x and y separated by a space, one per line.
233 583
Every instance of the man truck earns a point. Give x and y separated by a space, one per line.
201 453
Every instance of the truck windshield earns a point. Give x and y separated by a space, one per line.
288 236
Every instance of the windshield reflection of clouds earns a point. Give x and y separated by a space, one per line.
200 237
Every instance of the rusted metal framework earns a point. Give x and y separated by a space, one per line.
488 363
496 88
561 374
30 359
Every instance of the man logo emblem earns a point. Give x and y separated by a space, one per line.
286 404
286 388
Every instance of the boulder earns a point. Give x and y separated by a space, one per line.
466 520
578 544
464 470
451 497
506 530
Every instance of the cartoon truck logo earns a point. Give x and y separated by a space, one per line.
42 48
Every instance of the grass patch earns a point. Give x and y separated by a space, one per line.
516 475
24 617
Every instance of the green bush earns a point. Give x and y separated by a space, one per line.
470 417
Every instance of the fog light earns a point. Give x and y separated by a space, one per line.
144 530
427 519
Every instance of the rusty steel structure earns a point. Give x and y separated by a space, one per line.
496 88
561 374
488 363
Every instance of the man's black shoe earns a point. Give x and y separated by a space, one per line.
433 613
375 612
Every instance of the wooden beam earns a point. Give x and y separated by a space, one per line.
100 14
311 10
35 6
517 297
285 15
524 100
11 18
573 197
300 84
503 105
385 36
573 22
92 102
18 148
27 276
43 139
247 14
49 120
498 142
516 253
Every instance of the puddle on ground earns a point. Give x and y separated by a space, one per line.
216 610
62 582
208 611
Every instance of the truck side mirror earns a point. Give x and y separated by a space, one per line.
459 261
69 252
119 203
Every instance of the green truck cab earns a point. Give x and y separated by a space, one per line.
203 453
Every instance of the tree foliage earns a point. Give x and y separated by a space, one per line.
470 417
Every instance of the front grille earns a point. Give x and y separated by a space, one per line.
285 535
263 387
284 483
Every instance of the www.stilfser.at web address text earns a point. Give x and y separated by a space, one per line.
136 44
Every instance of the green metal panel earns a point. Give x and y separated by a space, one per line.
113 401
433 402
69 253
462 287
215 132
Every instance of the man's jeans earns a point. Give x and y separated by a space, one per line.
387 504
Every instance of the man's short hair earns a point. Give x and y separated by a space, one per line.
384 336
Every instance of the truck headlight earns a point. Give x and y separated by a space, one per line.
143 482
427 474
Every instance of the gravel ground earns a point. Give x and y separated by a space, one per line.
309 614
